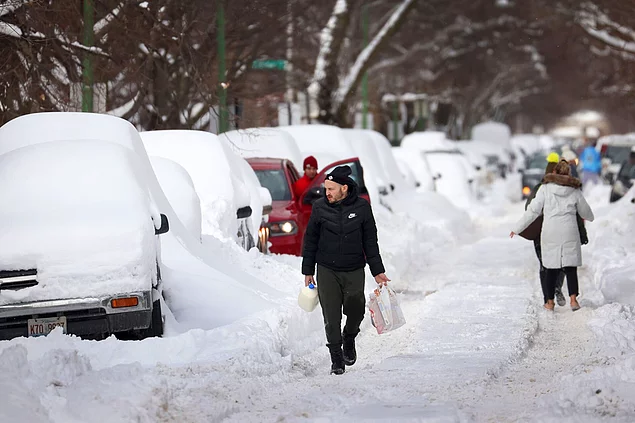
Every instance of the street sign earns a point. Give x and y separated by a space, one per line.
277 64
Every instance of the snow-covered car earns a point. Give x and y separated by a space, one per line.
499 136
328 144
79 242
389 163
624 180
417 164
232 201
452 179
179 189
614 154
435 142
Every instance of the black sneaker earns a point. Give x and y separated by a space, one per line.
337 361
560 297
348 347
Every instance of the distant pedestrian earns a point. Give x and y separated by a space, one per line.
341 237
591 163
569 155
558 200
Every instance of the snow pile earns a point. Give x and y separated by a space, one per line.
327 143
610 255
179 189
418 166
78 213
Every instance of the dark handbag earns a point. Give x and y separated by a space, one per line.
532 233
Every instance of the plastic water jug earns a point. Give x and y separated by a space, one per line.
308 298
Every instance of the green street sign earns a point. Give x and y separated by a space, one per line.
277 64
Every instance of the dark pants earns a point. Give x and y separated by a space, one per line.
543 273
549 287
337 291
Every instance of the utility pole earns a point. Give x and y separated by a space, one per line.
87 65
223 118
289 65
365 77
395 121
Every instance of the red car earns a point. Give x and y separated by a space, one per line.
290 214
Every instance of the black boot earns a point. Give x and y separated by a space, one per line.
348 347
337 360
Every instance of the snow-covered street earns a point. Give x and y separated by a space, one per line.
477 346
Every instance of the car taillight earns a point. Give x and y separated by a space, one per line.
526 190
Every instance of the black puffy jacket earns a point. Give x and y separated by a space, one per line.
341 236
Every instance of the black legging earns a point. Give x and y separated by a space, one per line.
551 279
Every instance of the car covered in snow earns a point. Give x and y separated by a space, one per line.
233 204
624 179
79 233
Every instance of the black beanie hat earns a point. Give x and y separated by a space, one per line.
341 175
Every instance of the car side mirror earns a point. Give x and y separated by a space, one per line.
243 212
417 184
437 176
165 225
312 195
392 187
267 210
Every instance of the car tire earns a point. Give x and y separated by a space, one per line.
156 325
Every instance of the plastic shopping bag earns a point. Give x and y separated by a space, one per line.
385 312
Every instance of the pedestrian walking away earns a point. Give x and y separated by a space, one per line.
552 161
559 199
341 237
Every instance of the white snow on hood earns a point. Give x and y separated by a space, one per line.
74 210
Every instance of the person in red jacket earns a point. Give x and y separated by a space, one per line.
310 172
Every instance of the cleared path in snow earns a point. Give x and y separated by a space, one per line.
457 341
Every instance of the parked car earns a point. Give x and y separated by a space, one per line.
290 213
417 164
79 229
614 155
624 179
232 202
534 172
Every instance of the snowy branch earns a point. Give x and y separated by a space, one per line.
365 57
326 44
591 19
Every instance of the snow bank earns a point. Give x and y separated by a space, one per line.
610 255
265 143
77 212
179 189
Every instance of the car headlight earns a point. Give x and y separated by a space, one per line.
286 227
526 190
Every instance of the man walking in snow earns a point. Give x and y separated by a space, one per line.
341 237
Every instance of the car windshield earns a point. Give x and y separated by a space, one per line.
537 162
618 153
627 171
276 182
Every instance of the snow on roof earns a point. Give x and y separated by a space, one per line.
493 132
265 142
321 139
427 141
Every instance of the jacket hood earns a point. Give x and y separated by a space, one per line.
563 180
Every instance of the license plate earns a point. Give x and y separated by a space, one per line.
42 327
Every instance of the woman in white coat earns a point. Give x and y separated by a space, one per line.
559 199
